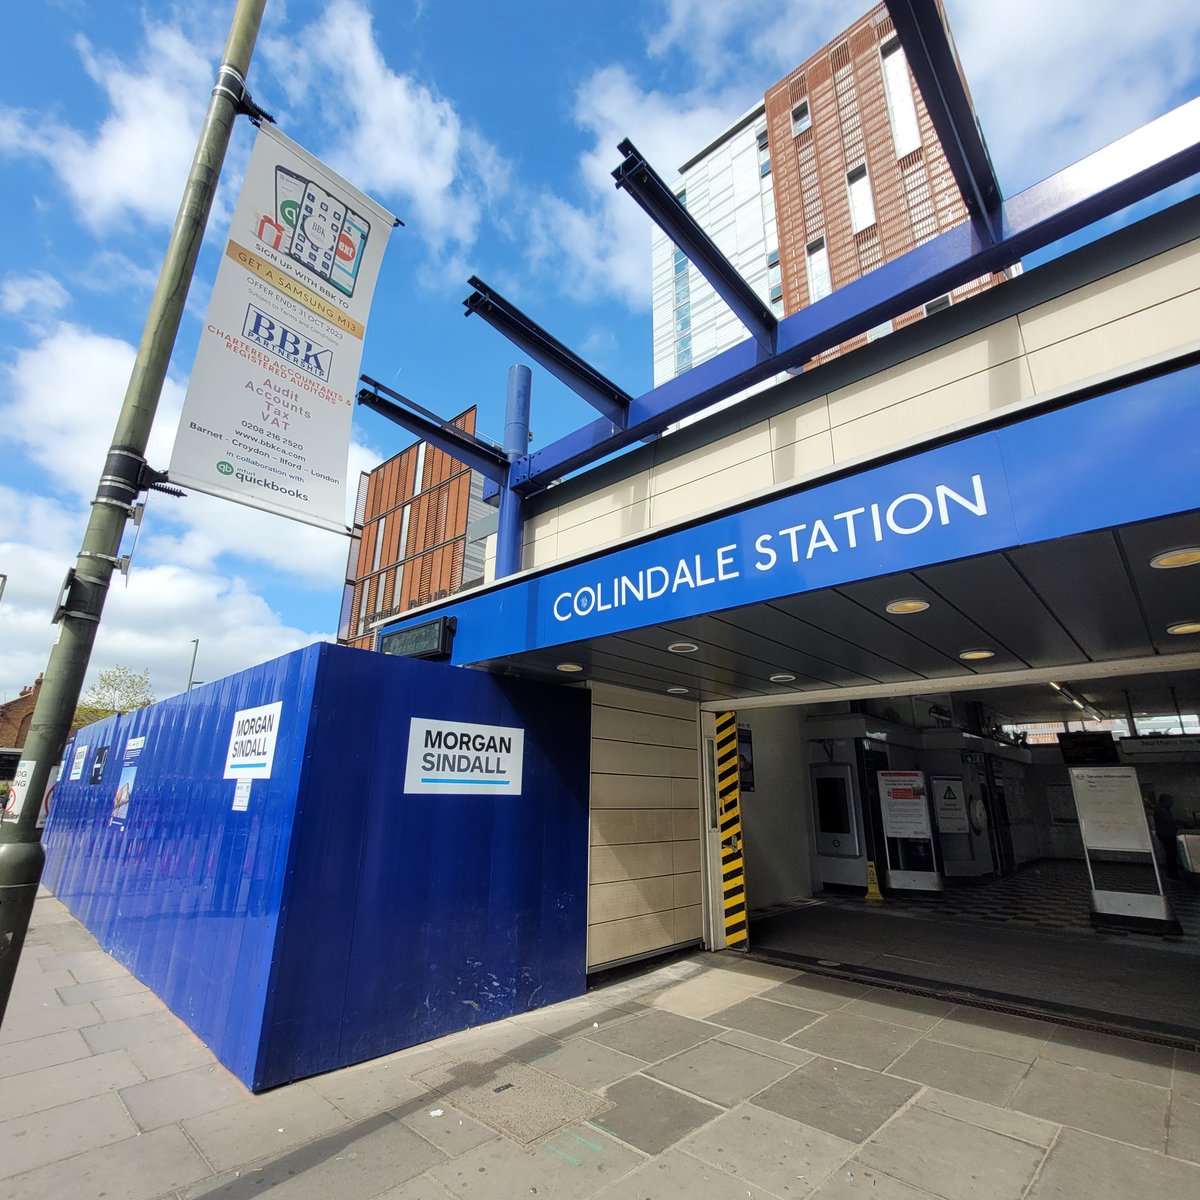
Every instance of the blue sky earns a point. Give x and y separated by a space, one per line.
491 130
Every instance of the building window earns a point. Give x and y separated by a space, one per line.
682 198
379 531
774 276
681 262
764 155
402 545
801 118
819 282
937 305
902 111
683 353
862 205
419 469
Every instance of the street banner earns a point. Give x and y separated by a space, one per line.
266 421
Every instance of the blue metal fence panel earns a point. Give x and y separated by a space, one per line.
327 915
410 916
175 883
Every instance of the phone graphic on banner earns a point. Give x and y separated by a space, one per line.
321 232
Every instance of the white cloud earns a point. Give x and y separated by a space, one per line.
148 622
388 133
602 244
135 164
34 297
1053 82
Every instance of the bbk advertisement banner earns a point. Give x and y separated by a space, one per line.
266 421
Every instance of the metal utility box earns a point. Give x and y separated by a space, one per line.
335 854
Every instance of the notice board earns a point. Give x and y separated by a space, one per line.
1109 804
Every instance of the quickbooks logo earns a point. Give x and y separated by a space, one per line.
225 468
270 485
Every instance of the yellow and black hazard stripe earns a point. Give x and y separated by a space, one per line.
729 810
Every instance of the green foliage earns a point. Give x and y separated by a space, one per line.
117 690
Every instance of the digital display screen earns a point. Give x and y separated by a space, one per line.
428 640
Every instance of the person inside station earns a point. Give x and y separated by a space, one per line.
1166 828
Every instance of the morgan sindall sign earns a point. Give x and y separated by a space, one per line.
463 758
267 417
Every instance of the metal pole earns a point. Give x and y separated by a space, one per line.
192 668
516 444
82 602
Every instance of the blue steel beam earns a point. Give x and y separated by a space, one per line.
641 181
584 380
1136 166
934 63
429 427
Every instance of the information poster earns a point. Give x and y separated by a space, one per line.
950 804
905 804
1109 803
266 421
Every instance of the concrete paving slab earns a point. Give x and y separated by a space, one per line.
587 1064
846 1101
767 1048
952 1159
919 1012
443 1125
1110 1054
987 1116
263 1126
857 1182
652 1117
179 1051
132 1031
1005 1034
353 1163
1183 1130
85 965
766 1019
37 1139
678 1176
101 989
157 1102
424 1187
135 1004
519 1100
862 1041
655 1035
76 1080
1123 1109
138 1168
575 1018
816 992
1083 1167
716 1071
572 1165
1185 1079
369 1088
40 1021
971 1073
35 1053
784 1157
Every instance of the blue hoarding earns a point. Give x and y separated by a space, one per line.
259 853
1102 462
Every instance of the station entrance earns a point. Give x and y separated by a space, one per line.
947 842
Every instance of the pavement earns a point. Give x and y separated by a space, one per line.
706 1077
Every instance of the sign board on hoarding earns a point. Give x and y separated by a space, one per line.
251 752
463 758
266 421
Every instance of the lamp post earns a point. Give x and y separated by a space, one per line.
86 587
192 668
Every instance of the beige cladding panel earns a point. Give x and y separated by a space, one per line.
1139 287
1168 326
644 862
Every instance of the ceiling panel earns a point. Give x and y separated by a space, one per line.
942 625
992 590
834 613
1167 596
1084 581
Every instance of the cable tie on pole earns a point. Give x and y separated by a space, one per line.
231 83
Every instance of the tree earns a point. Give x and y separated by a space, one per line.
117 690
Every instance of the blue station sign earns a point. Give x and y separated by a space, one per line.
1101 462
